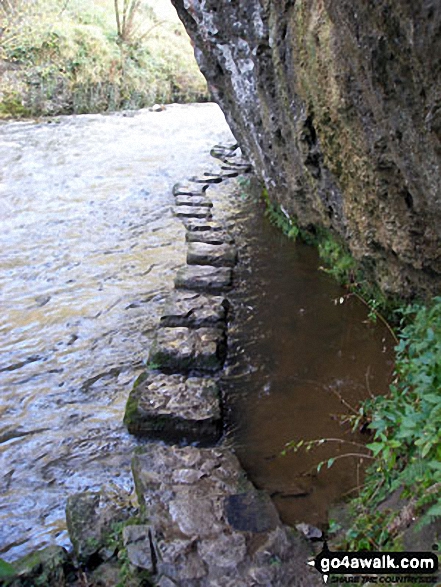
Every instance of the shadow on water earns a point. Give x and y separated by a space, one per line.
296 357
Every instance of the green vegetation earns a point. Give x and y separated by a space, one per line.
6 570
405 425
77 56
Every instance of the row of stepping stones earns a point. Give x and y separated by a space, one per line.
178 400
207 525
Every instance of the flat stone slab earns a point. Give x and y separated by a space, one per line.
193 212
210 527
211 237
194 310
208 254
198 225
189 188
193 201
181 350
204 278
207 178
174 408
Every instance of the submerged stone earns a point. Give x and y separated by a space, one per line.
207 254
210 526
180 350
174 408
194 310
190 200
193 212
204 278
211 237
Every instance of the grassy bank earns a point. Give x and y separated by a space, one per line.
402 488
71 56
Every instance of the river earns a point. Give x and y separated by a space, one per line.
89 251
90 248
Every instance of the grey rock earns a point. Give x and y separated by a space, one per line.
191 200
204 278
202 212
189 189
89 517
207 178
211 237
180 350
136 539
187 494
173 407
198 225
195 310
215 255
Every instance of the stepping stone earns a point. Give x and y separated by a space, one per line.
211 237
194 310
174 408
189 189
229 174
204 278
193 201
207 179
193 212
215 255
198 225
210 527
181 350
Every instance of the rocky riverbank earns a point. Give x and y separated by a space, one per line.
197 520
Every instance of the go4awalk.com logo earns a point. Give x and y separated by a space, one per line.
377 567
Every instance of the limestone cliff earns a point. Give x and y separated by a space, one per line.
337 103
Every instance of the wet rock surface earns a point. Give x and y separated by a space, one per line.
211 237
175 408
180 349
194 310
90 516
190 211
204 278
216 255
210 526
193 200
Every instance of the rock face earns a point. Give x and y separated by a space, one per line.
337 106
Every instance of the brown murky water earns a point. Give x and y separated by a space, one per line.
294 353
89 251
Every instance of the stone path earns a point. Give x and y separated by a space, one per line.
204 523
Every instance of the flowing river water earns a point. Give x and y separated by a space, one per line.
90 248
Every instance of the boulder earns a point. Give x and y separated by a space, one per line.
211 237
207 254
204 278
90 517
202 212
174 408
192 200
194 310
181 350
